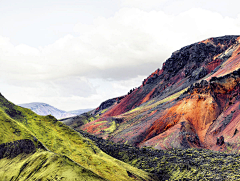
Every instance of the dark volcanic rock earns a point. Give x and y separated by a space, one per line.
108 103
199 73
196 54
220 141
13 149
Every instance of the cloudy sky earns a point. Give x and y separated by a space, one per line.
74 54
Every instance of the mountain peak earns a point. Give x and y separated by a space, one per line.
46 109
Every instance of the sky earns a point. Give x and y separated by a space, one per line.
74 54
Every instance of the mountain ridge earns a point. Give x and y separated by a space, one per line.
177 106
45 109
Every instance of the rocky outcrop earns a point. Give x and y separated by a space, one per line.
108 103
196 54
220 141
13 149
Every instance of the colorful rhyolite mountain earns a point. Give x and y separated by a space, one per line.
193 101
44 109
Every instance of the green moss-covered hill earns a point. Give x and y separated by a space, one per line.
17 123
23 160
175 164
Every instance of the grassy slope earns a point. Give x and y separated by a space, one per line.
11 130
43 165
59 138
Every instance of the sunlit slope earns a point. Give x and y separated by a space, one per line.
22 160
23 123
44 166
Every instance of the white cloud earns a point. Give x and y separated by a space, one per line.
223 7
128 46
143 4
27 50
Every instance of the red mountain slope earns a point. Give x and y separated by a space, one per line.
193 101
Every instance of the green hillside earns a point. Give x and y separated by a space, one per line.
19 123
44 165
22 160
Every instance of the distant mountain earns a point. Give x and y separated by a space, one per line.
46 109
79 111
